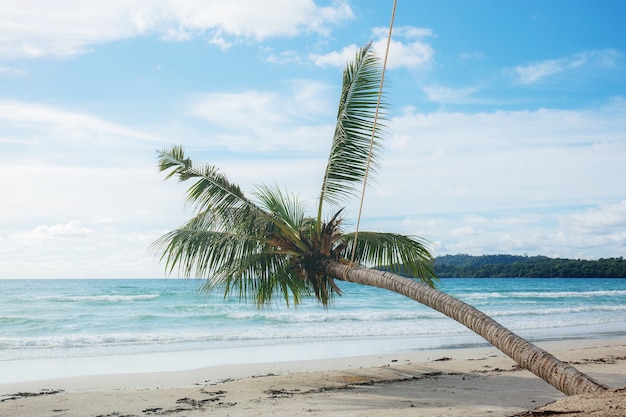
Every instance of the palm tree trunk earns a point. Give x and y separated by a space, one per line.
563 377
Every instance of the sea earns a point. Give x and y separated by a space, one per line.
65 328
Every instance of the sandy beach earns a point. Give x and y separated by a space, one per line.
456 382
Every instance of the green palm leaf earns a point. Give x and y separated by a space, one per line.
198 250
350 150
284 205
288 212
260 276
239 246
402 254
212 191
238 263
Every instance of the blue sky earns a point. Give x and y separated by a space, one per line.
507 130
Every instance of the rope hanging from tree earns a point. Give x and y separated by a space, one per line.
369 158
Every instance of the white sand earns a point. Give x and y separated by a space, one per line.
472 382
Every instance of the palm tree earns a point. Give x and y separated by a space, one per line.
269 247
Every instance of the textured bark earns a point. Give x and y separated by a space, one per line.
563 377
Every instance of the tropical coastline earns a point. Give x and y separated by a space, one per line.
504 128
139 326
516 266
100 347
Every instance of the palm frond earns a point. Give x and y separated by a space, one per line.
284 205
238 246
239 264
287 211
212 191
200 251
408 255
350 150
260 276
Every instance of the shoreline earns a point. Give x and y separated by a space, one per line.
189 358
464 382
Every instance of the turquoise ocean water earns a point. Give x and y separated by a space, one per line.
58 328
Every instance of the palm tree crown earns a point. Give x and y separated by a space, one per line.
270 246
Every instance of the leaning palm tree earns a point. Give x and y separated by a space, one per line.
267 246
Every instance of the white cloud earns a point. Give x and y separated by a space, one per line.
65 164
423 223
12 71
21 114
439 94
476 183
406 49
470 56
49 135
72 250
523 171
293 120
611 216
550 234
240 111
413 55
284 57
335 58
522 219
533 73
463 231
34 28
407 32
582 233
72 229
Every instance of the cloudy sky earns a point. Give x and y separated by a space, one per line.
507 131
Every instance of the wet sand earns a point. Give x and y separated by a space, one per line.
455 382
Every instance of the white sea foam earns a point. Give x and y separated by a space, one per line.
546 294
120 317
103 298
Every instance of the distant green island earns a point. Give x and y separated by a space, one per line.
513 266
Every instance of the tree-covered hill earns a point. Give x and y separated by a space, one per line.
512 266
